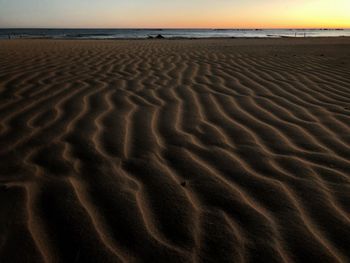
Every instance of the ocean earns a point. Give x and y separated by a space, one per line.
6 33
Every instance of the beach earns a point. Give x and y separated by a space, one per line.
207 150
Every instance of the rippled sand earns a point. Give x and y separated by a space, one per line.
175 151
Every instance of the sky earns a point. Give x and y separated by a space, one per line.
175 13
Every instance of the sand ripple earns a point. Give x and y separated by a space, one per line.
175 151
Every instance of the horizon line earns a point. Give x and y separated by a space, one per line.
161 28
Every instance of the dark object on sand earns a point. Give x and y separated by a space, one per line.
159 37
150 37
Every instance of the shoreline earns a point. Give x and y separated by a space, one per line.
177 38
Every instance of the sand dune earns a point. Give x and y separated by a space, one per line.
175 151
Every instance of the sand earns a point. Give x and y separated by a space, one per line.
175 151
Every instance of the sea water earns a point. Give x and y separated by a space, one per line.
6 33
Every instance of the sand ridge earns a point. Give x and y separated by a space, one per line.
175 151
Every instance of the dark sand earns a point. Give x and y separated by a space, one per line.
175 151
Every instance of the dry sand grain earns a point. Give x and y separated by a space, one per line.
175 151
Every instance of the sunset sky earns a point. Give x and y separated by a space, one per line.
175 14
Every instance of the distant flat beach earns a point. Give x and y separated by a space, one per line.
232 150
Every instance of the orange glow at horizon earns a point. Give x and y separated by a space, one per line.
272 14
179 14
